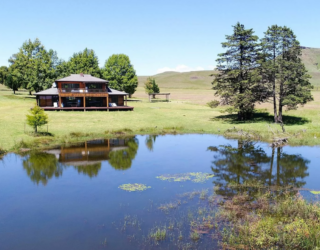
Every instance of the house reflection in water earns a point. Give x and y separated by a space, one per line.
90 152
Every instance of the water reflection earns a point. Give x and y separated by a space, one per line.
41 167
150 141
84 157
248 162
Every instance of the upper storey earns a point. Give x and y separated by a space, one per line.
81 83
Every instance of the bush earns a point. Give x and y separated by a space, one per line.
37 118
213 104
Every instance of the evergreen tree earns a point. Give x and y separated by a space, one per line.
85 62
238 83
285 70
37 118
120 73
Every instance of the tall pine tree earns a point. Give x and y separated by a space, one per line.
238 83
285 70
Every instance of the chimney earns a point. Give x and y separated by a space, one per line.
81 74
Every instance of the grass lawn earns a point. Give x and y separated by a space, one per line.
186 113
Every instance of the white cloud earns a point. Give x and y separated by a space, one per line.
179 68
211 67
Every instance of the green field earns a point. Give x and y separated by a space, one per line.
186 113
181 115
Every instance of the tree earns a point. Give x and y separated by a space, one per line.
37 118
12 81
3 74
237 82
120 73
284 70
85 61
150 86
35 65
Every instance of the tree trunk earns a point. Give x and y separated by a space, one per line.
154 96
278 165
271 167
130 95
274 89
30 92
14 92
35 129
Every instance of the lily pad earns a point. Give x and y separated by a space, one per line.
197 177
134 187
315 192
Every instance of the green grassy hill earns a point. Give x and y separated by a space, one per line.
311 58
202 79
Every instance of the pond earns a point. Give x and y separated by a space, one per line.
75 197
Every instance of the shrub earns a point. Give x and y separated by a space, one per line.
37 118
213 104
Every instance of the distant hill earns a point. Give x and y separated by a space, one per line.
185 80
311 58
202 79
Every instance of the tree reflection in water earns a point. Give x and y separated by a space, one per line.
86 158
91 170
122 159
41 167
150 141
250 163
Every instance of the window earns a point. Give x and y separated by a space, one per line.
70 85
94 85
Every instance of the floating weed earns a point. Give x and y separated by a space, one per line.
134 187
204 194
197 177
158 234
169 206
315 192
194 236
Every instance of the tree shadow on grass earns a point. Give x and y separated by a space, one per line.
263 117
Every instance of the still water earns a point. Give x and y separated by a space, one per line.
69 197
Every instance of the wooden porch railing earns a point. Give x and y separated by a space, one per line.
82 90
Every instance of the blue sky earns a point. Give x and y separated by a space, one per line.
156 35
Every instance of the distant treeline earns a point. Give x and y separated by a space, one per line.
35 68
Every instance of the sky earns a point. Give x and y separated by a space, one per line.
158 36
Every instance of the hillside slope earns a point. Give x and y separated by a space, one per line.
202 79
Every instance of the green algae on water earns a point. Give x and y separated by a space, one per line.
134 187
315 192
197 177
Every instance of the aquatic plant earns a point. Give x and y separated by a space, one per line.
197 177
194 236
203 194
159 234
315 192
171 205
134 187
271 220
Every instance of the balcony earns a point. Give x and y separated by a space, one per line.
79 90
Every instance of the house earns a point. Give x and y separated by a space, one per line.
82 92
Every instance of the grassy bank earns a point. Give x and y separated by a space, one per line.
184 114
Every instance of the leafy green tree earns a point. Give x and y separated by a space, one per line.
85 61
150 86
12 81
237 82
150 141
120 73
122 159
35 65
285 70
3 74
37 118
